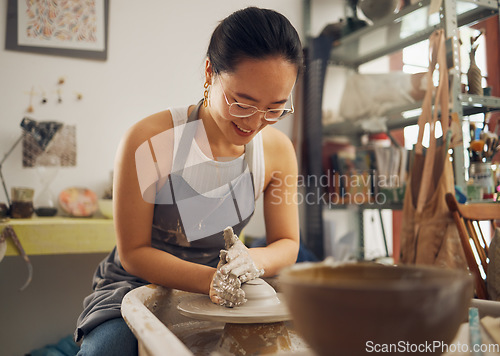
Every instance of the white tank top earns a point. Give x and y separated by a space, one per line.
207 184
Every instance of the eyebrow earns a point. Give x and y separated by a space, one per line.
248 97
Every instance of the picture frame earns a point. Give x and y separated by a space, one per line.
80 29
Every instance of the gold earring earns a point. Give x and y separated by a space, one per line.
205 93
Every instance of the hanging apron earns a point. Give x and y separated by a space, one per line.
429 235
189 227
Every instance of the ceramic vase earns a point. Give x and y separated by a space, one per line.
474 77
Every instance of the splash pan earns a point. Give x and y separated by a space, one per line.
161 329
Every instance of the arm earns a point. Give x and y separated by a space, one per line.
280 205
133 218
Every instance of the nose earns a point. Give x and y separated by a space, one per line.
256 120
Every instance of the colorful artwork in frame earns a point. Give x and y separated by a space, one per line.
74 28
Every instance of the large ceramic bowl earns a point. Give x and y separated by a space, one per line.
353 309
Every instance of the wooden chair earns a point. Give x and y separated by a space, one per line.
467 218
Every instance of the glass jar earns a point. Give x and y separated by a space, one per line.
22 203
47 167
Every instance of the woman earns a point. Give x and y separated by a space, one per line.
183 175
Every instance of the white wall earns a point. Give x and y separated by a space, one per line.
155 60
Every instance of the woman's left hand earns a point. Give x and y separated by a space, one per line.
236 259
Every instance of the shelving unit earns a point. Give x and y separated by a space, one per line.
395 32
405 28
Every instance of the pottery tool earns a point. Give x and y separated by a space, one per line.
475 340
8 231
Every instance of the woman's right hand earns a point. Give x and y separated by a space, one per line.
235 268
225 290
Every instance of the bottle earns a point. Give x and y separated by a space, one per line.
47 167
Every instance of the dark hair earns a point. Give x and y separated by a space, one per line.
253 33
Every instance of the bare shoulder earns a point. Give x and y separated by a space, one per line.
277 145
147 128
133 158
279 155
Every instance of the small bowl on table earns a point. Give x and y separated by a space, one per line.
352 309
106 207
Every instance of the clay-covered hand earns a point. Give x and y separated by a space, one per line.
225 290
236 259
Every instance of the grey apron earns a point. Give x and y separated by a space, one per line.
189 228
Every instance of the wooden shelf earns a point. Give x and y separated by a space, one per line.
394 119
61 235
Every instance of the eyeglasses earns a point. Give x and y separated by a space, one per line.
245 110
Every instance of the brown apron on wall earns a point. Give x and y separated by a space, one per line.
429 235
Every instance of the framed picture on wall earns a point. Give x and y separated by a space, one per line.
72 28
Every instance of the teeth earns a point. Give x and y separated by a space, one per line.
241 129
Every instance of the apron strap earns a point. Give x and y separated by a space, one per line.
235 202
186 140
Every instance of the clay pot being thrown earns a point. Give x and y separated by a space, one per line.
259 294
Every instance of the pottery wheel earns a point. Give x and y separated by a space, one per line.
264 305
200 307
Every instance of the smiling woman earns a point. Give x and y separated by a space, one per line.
250 97
184 175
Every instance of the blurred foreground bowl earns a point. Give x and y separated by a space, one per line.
353 309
